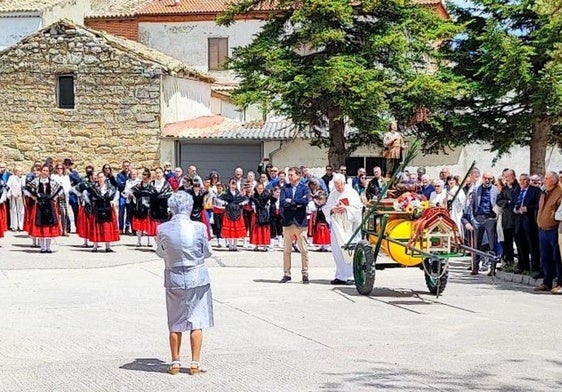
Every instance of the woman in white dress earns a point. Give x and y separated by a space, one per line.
438 197
456 206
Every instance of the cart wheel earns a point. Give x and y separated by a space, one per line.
435 284
363 267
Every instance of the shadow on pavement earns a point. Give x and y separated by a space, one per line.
154 365
392 377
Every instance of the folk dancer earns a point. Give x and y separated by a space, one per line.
44 218
4 189
84 207
104 198
260 235
343 214
218 214
142 223
233 222
160 193
198 213
29 202
320 227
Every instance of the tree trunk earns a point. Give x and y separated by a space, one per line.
539 142
336 128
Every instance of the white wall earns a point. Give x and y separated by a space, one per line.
184 99
187 41
14 28
223 108
299 152
73 11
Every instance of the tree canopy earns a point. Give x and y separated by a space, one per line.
509 55
341 70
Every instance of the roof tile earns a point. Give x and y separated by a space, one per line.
220 128
158 7
30 5
116 8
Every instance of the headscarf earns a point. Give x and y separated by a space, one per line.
180 203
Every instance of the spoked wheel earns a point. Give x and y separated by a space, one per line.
436 275
364 267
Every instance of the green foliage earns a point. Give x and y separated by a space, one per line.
326 63
509 56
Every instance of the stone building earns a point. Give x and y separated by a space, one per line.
68 91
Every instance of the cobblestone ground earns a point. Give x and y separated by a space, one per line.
78 321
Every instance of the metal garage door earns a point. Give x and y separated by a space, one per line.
221 157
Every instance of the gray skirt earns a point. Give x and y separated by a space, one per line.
189 308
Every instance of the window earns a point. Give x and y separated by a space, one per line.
65 92
218 51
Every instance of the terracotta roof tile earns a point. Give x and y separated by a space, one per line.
157 7
116 8
220 128
30 5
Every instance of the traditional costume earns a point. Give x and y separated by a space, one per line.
199 214
218 215
233 222
260 234
320 230
342 226
275 218
103 226
3 211
45 222
15 195
142 222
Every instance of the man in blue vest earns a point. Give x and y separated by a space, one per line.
483 218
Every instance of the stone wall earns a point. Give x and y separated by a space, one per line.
117 102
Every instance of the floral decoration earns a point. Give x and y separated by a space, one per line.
411 203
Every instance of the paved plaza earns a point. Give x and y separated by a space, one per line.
81 321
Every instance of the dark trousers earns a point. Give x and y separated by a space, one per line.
507 245
74 206
528 244
484 226
217 225
550 256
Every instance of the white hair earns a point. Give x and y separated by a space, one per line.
180 203
338 177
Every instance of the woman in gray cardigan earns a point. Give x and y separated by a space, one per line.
183 245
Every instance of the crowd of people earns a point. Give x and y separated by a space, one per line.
515 218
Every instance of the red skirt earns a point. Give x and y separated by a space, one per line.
82 223
27 207
148 225
43 231
321 234
233 229
259 235
103 232
3 219
205 221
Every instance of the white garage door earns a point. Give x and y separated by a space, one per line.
221 157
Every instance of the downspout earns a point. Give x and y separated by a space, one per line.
272 153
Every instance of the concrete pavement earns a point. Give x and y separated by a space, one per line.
79 321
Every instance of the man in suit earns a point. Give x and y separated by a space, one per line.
294 198
483 218
506 201
525 205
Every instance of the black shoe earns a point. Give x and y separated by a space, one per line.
94 250
285 279
338 281
43 251
491 273
109 250
48 251
474 272
305 279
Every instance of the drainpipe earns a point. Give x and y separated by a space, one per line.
272 153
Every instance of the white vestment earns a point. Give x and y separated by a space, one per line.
342 226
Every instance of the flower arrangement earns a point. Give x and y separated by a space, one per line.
411 203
